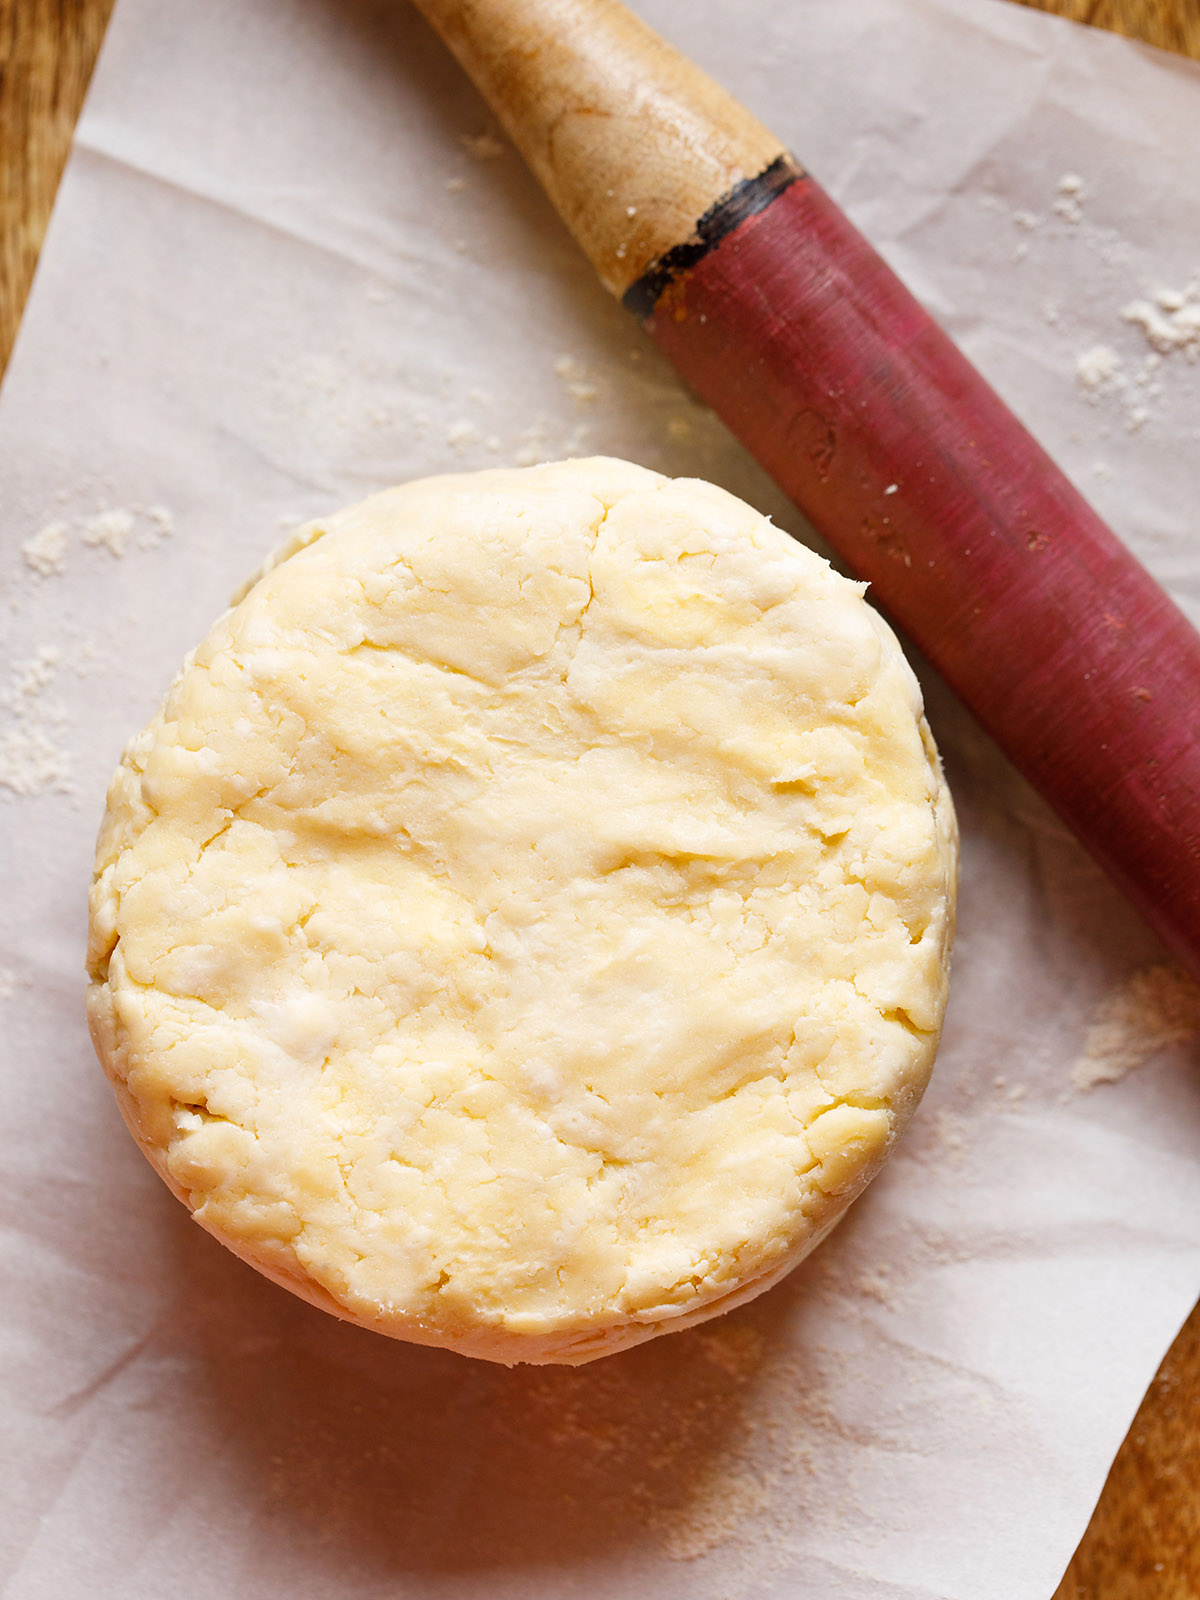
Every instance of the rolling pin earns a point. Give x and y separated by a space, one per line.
786 322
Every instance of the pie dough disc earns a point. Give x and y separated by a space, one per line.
524 926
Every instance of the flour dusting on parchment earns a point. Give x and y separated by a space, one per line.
33 754
112 529
44 553
1169 321
1158 1007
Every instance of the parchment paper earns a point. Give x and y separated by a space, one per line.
277 278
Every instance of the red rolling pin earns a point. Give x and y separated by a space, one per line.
783 319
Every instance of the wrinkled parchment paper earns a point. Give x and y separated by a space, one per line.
291 262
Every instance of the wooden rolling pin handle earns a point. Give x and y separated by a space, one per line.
630 140
793 329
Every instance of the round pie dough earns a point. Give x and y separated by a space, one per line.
524 926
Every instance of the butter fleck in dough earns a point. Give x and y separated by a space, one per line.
524 926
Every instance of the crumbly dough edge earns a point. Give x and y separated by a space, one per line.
573 1348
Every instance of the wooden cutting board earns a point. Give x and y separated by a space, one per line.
1144 1540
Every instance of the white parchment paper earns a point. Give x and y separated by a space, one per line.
284 270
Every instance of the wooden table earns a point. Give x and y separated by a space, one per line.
1144 1540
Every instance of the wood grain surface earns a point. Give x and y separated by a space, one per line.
1144 1540
47 51
1169 24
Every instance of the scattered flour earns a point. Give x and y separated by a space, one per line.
951 1131
720 1507
940 1138
111 529
36 673
1071 193
1169 321
32 755
532 448
578 442
460 434
1157 1008
877 1284
45 553
1101 374
737 1348
1099 370
1136 416
482 146
162 525
1009 1096
575 375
